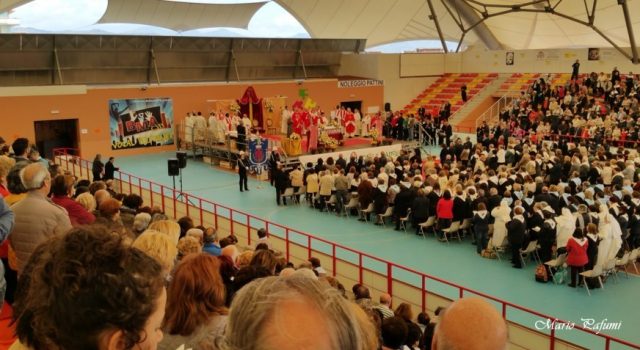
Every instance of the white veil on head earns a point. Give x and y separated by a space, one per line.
611 235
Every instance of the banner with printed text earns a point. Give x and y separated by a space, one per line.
137 123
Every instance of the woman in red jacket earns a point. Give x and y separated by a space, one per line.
577 254
62 188
444 212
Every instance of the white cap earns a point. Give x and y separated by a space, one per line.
242 153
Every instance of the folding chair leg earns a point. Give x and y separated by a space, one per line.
600 281
584 281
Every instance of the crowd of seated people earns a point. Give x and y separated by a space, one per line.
97 269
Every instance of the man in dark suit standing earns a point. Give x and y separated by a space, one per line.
274 159
243 166
281 181
109 169
241 141
575 70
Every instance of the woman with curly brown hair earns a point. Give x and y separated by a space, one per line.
89 290
196 312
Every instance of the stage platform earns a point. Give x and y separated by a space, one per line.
225 154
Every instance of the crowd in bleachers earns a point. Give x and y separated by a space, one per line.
88 267
600 108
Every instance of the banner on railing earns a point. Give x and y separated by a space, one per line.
138 123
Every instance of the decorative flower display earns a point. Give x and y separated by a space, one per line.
268 105
235 108
328 141
294 137
374 136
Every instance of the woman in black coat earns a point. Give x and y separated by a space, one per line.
420 210
592 247
634 229
380 200
480 221
516 230
459 206
547 236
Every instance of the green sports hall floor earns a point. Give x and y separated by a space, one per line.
454 262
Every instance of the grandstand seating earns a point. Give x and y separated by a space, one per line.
447 88
521 81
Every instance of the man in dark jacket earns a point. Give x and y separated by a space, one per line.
109 169
281 180
243 166
274 158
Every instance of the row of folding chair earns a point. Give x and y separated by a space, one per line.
611 268
455 230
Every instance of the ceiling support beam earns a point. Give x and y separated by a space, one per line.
632 39
56 62
434 18
534 6
152 64
466 12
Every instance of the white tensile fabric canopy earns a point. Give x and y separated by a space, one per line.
8 5
180 16
497 24
522 25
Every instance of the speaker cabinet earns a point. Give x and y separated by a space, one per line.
182 159
173 167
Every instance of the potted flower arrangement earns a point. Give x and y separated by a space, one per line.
292 144
374 137
269 106
234 108
294 137
328 142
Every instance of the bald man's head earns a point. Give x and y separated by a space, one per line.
385 299
470 324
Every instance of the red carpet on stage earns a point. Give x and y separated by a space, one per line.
357 142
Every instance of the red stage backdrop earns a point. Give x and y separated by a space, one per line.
250 97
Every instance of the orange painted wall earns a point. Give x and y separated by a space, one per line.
92 110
